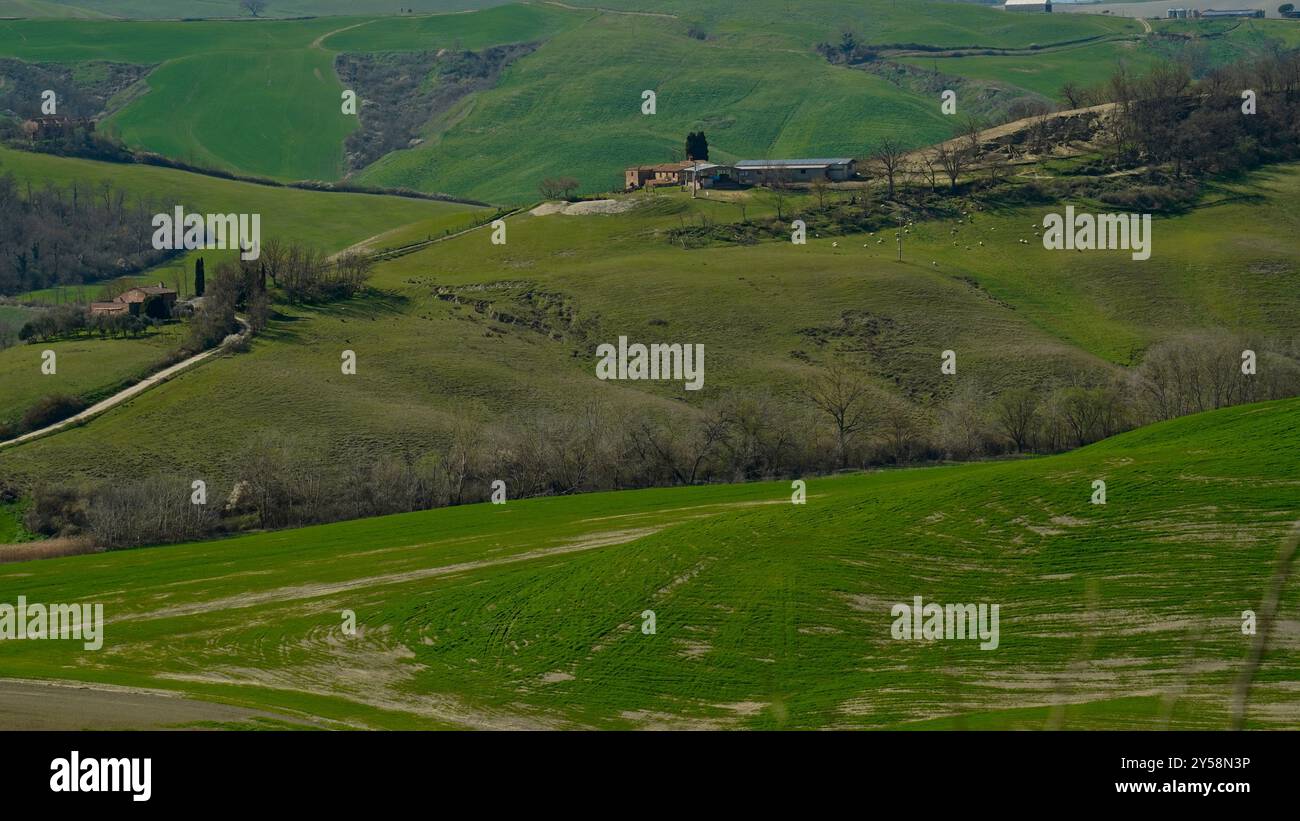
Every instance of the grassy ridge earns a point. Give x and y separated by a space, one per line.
495 26
43 8
153 42
1045 72
934 24
577 101
328 220
769 315
768 615
263 97
226 8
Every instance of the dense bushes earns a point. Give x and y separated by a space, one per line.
51 409
151 511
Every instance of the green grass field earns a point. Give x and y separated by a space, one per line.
86 367
768 615
145 9
263 98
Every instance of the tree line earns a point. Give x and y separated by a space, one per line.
80 233
838 420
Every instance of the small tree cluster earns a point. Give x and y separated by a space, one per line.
558 188
307 274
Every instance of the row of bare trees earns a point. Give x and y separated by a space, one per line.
841 420
1189 374
51 235
948 160
1234 117
308 274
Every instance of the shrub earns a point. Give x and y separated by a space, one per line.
49 410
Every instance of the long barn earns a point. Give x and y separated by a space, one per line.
1029 5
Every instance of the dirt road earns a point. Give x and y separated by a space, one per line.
49 705
122 396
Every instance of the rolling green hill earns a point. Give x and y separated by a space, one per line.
146 9
771 316
329 220
767 615
580 96
43 8
263 97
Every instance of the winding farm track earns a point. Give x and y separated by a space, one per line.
662 14
319 42
1007 129
394 253
123 395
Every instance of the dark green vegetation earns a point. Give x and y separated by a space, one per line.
767 614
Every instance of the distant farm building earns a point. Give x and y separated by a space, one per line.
652 176
1029 5
1211 14
154 301
1179 14
676 173
745 172
761 172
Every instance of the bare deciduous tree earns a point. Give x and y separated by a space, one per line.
952 159
1015 413
841 394
888 156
